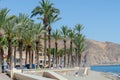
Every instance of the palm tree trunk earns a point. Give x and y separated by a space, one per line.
30 56
49 45
37 52
26 56
65 54
14 56
20 50
76 64
44 50
71 63
56 53
78 57
1 58
79 60
68 59
10 50
58 60
45 25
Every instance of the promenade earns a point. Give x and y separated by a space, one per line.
3 76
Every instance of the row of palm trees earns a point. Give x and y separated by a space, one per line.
74 49
18 32
22 33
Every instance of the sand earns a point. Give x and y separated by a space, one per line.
92 75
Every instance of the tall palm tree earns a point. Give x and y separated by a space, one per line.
9 29
64 33
28 39
71 36
79 42
3 45
21 23
51 20
56 36
3 15
39 30
46 10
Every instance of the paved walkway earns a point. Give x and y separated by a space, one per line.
3 76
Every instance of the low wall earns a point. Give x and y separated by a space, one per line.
17 75
22 76
53 75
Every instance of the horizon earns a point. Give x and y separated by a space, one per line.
99 18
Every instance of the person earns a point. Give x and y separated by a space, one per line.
86 71
2 67
5 65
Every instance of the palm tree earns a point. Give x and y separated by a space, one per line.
51 20
22 22
9 29
39 30
79 42
3 44
71 35
28 39
56 36
46 10
3 14
64 33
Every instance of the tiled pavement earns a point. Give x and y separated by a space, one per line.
3 76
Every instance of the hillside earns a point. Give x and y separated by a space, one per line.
101 53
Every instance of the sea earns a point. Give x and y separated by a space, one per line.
112 69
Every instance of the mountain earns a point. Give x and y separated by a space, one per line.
101 53
96 52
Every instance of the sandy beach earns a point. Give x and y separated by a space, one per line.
92 75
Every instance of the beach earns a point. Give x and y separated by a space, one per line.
92 75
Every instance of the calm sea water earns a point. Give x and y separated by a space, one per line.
114 69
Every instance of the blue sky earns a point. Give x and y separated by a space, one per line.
101 18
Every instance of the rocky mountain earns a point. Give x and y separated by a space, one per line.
99 53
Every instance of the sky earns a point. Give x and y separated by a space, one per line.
100 18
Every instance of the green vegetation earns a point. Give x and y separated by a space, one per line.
23 34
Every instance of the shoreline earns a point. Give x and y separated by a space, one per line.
106 64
